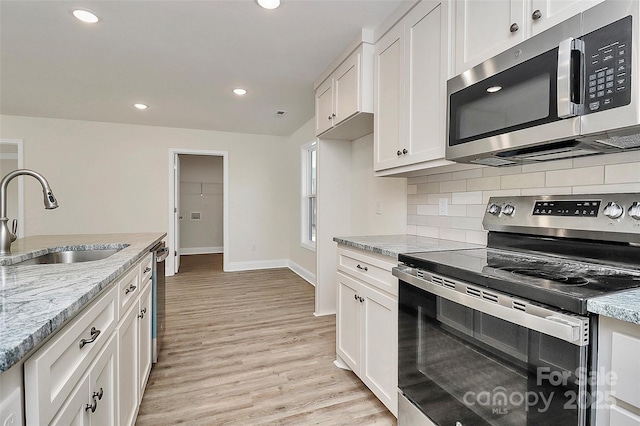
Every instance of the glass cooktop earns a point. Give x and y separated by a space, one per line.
550 280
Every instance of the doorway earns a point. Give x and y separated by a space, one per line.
198 180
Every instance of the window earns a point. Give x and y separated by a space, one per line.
309 204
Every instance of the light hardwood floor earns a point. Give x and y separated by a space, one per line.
244 348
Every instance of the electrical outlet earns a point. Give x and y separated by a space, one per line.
443 206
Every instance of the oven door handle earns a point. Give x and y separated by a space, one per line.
543 320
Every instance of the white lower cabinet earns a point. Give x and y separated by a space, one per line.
618 373
367 323
94 370
93 401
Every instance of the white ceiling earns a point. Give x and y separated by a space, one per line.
180 57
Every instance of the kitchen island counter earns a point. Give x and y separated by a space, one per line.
37 300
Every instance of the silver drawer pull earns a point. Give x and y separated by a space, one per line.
142 312
94 335
362 268
129 289
147 269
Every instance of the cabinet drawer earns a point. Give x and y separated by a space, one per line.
370 269
129 288
146 269
55 369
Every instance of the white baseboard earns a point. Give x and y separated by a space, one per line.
257 264
305 274
200 250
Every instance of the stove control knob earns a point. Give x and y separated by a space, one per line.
613 210
634 210
493 209
508 210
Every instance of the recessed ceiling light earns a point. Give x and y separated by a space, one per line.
85 16
239 91
269 4
140 106
494 89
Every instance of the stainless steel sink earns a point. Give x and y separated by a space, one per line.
70 256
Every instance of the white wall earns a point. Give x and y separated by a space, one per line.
201 191
302 260
114 178
378 204
467 192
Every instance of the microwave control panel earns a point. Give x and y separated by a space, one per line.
608 66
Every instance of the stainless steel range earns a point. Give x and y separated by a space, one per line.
501 335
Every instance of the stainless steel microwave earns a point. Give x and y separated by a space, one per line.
570 91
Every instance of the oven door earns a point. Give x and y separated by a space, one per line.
462 366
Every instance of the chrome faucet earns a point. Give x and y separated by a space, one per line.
8 236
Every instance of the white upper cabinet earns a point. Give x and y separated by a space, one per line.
547 13
484 28
344 100
410 67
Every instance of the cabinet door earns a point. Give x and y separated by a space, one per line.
348 322
103 380
483 29
379 369
388 99
426 70
144 323
74 411
128 366
324 106
347 89
545 14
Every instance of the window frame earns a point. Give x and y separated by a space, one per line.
309 195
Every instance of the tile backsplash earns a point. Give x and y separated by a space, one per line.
466 192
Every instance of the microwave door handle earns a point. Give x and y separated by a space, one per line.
569 77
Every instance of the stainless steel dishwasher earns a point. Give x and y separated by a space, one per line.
160 253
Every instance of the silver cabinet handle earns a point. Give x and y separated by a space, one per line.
514 27
404 151
355 296
130 289
536 15
147 269
99 394
361 299
142 312
94 335
399 153
362 268
92 406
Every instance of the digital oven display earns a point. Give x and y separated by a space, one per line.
567 208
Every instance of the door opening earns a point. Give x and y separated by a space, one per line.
199 208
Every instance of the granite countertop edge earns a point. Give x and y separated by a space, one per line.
393 245
23 327
623 306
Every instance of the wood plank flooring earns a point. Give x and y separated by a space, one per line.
244 348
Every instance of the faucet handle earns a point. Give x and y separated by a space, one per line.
14 228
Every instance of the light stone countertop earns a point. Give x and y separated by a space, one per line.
623 306
393 245
37 300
